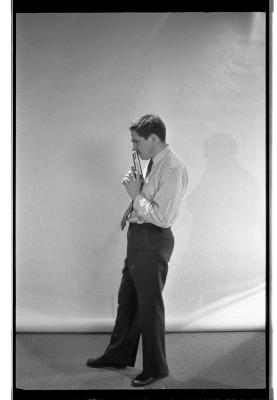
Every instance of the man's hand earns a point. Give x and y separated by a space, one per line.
132 183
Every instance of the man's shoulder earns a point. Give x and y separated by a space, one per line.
172 159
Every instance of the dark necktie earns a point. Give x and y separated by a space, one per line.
149 167
130 207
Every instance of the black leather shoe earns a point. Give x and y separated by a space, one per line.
102 362
143 380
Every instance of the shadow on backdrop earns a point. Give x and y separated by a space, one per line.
225 251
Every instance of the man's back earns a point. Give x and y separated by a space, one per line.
163 191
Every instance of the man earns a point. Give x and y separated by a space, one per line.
154 208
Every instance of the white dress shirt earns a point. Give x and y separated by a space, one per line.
163 191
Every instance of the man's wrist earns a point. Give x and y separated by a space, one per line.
136 200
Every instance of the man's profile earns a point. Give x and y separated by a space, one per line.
154 207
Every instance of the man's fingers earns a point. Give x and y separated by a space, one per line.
130 175
125 180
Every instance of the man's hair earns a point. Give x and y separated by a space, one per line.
147 124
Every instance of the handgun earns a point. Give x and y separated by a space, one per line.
137 166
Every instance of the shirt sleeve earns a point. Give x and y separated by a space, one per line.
166 201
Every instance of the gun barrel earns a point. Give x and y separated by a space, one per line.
137 164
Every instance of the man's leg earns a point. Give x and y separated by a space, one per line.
149 274
125 336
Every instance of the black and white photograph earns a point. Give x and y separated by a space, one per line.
141 178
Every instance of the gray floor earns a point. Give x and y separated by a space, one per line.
214 360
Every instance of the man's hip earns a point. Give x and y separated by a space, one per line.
149 237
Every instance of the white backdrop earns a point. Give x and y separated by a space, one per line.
81 80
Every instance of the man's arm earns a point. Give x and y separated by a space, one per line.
166 202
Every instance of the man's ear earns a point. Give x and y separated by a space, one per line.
154 138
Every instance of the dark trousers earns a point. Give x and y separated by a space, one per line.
140 303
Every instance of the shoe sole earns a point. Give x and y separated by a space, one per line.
107 366
149 383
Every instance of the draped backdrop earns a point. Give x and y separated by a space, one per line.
80 80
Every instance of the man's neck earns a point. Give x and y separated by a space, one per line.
159 148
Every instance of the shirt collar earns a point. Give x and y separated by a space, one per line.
160 155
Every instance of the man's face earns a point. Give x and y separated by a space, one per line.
144 147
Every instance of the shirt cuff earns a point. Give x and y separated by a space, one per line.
137 200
